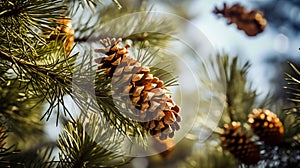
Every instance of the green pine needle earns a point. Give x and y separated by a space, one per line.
89 143
293 90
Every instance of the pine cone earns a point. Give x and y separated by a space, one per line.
267 126
239 144
145 96
251 22
64 33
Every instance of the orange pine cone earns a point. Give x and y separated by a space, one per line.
65 33
69 34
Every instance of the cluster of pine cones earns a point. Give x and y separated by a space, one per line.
264 123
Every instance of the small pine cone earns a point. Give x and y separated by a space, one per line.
267 126
251 22
239 144
64 33
68 30
145 96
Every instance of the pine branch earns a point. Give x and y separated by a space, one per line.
89 143
145 28
6 153
240 99
38 156
38 68
293 90
228 82
19 115
20 18
48 82
21 62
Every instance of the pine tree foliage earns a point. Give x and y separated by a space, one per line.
36 70
293 89
89 143
230 87
239 102
132 23
231 80
40 156
239 96
22 121
21 18
5 152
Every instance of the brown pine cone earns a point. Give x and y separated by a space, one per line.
145 96
239 144
251 22
267 126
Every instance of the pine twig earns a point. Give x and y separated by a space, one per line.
89 142
23 63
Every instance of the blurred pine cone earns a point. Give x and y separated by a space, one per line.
251 22
267 126
239 144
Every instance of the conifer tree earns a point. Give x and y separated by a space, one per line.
109 75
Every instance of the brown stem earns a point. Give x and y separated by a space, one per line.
12 58
21 62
